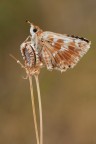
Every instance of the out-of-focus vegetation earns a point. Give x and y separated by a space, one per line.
68 99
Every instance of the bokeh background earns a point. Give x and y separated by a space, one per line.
68 99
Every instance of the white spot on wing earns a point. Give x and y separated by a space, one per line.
55 40
55 53
62 48
67 40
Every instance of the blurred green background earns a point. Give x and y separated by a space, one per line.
68 99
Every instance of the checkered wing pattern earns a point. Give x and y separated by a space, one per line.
62 51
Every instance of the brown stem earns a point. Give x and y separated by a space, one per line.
40 109
34 111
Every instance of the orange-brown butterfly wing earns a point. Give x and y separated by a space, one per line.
62 51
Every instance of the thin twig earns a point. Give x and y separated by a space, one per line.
17 60
34 111
40 109
33 104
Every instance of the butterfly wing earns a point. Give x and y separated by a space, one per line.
28 54
62 51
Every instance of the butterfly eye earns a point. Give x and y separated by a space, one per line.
34 30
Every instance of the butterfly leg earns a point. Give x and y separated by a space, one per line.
36 50
26 40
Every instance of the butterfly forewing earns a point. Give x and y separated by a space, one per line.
62 51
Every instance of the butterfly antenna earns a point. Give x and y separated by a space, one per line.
27 21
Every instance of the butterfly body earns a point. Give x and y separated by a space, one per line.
53 50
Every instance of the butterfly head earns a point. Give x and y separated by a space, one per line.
34 30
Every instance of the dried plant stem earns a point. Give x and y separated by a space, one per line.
33 104
40 109
33 108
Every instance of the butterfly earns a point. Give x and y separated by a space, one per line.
53 50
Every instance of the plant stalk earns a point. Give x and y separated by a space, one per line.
40 109
34 110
